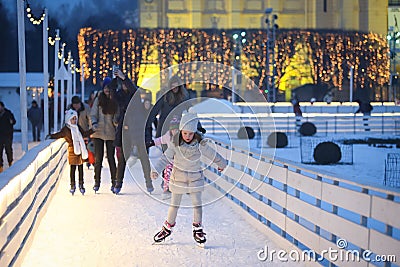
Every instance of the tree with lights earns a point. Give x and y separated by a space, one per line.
298 70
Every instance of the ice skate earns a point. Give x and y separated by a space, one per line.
82 189
72 190
164 233
198 234
149 186
96 188
117 190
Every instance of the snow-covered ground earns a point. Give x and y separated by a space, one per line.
368 166
108 230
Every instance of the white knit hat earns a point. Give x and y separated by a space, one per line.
189 121
69 114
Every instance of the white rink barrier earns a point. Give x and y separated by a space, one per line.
311 213
326 124
25 195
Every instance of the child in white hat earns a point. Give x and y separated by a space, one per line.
187 176
77 152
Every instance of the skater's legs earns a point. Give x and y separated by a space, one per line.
173 208
111 160
9 151
99 154
197 207
145 162
72 176
120 169
80 171
1 154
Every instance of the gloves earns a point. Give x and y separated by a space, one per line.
149 144
202 130
154 175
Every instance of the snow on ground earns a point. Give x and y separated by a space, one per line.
368 166
108 230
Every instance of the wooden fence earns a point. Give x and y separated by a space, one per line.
310 211
25 196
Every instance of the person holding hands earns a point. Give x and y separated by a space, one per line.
187 176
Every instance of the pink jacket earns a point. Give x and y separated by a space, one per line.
163 140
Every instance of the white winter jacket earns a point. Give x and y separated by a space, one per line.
187 173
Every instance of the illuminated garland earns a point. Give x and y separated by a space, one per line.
32 18
330 54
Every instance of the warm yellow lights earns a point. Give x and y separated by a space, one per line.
32 18
328 55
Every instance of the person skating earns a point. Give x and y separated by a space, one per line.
165 140
136 137
187 175
83 111
77 153
103 118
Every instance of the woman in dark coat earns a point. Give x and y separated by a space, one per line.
77 153
134 136
171 104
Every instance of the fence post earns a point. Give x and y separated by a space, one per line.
335 124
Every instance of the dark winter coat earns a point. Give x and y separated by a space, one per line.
65 133
364 107
133 125
7 122
163 108
35 115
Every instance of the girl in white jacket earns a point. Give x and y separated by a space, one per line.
187 176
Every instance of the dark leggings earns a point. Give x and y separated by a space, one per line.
99 154
72 175
144 160
7 145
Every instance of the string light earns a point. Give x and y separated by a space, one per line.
328 55
52 40
32 18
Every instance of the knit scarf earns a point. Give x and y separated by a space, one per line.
77 139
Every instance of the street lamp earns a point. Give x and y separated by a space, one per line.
271 38
240 40
393 38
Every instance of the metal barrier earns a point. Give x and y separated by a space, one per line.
392 170
308 145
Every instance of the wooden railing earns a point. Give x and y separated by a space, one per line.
308 210
25 195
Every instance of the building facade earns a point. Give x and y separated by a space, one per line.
358 15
